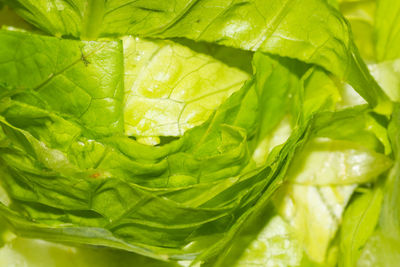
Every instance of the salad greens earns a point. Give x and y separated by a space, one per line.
200 133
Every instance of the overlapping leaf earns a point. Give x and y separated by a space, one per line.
309 30
146 199
72 174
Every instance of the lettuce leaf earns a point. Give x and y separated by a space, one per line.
75 79
387 29
281 27
212 133
125 207
382 247
167 101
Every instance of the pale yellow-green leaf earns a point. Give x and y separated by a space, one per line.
170 88
335 162
314 213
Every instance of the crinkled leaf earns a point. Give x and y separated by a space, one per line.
127 195
310 30
170 88
382 248
82 80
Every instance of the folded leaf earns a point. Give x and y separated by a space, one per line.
123 194
170 88
317 34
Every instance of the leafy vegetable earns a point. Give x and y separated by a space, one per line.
273 28
213 133
387 29
170 89
358 224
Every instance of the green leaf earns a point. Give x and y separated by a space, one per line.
361 16
314 214
79 121
359 222
387 74
38 253
274 245
380 250
232 57
332 162
9 18
390 215
387 30
82 80
167 101
317 34
382 247
151 200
